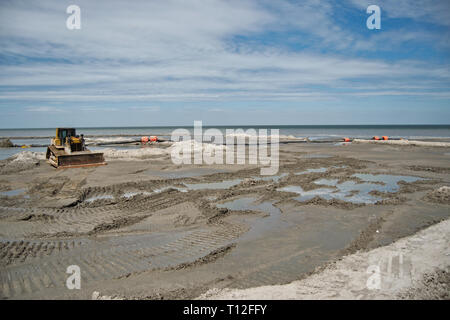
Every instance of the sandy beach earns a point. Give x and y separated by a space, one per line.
142 227
223 155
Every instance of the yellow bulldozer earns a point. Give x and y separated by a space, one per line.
68 150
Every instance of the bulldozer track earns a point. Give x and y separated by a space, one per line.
80 220
39 265
38 244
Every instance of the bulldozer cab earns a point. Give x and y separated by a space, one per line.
62 134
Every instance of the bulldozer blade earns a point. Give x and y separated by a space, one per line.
58 158
88 159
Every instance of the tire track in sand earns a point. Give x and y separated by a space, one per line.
110 258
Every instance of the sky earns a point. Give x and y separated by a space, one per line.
235 62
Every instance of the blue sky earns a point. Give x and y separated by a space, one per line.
236 62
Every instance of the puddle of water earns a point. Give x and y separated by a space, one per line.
259 226
13 193
327 182
351 191
271 178
324 193
169 187
213 185
311 171
106 196
387 179
323 169
195 172
135 193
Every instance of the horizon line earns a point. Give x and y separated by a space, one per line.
229 125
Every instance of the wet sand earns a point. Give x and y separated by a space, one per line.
410 268
148 229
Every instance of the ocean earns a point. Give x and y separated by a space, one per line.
313 132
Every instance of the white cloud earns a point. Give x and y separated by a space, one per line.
183 51
146 108
44 109
95 109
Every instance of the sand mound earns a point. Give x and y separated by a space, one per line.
21 161
280 137
197 146
109 140
133 154
150 152
27 157
6 143
405 142
440 195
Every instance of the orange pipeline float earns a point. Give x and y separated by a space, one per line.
145 140
382 138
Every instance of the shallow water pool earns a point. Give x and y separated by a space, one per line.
131 194
311 171
352 191
258 226
13 193
101 197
